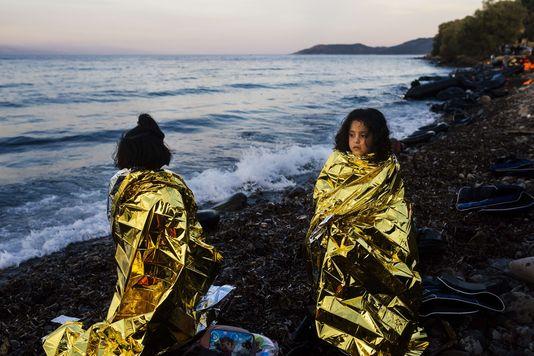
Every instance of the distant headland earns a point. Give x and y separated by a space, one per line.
417 46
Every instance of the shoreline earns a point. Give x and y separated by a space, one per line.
264 259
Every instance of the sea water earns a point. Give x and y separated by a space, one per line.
234 123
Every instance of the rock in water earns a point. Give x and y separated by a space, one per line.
235 202
208 219
295 192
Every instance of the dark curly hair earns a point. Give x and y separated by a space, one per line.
143 146
375 122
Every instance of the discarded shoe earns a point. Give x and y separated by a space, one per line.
512 166
494 199
448 295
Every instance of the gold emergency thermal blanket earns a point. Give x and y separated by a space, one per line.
364 258
163 268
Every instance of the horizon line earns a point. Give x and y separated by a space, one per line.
14 50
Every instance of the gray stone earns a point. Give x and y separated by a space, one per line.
14 344
520 305
523 111
453 353
208 219
296 191
525 335
485 99
472 345
235 202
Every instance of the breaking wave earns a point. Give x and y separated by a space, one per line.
259 169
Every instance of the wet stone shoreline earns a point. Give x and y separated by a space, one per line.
262 245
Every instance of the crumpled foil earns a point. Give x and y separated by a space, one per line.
363 258
208 306
163 265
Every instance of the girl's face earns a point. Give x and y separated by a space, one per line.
360 139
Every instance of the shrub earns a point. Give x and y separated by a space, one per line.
479 35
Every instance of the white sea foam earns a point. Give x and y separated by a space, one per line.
259 168
46 240
32 207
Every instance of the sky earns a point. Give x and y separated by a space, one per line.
219 26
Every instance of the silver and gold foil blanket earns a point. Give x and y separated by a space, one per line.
164 268
363 257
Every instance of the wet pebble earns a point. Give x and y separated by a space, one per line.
472 345
485 100
496 335
520 305
15 344
296 191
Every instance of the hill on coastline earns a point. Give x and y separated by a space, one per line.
417 46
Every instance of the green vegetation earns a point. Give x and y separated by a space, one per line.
477 36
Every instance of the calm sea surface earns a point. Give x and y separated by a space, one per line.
235 123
